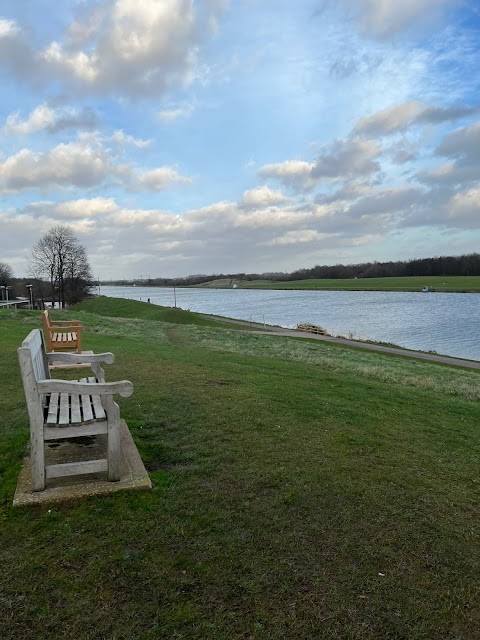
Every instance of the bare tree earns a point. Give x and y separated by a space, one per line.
6 273
60 257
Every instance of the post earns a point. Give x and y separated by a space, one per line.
29 287
174 297
2 287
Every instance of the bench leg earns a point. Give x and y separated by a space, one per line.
37 456
113 455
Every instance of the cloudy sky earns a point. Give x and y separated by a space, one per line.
181 137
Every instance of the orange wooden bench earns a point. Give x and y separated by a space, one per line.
62 335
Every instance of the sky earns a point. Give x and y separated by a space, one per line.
181 137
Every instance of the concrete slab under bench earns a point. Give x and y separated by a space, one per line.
133 475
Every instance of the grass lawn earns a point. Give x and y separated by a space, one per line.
438 283
300 490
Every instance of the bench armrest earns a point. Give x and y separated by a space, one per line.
81 358
123 387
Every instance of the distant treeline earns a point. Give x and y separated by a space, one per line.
466 265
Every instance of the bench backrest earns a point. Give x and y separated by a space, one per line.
32 357
46 320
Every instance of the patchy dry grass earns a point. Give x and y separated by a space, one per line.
383 367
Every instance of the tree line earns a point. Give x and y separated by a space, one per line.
464 265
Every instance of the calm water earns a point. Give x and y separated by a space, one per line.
443 322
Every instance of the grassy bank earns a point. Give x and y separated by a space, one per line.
300 490
438 283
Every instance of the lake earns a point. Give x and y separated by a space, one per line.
446 323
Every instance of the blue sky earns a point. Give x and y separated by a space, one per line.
179 137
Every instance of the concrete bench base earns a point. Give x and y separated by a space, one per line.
133 475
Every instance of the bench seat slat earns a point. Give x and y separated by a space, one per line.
87 409
74 409
64 337
52 416
64 415
98 408
75 413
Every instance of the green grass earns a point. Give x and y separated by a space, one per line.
438 283
125 308
300 490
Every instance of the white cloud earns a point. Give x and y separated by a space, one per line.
75 64
134 47
73 164
386 201
340 160
399 117
464 141
273 218
8 28
123 139
85 163
52 120
296 174
382 19
298 237
41 117
183 110
162 178
263 197
353 157
391 120
86 208
464 207
462 148
82 31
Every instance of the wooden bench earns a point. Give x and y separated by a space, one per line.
311 328
62 335
60 409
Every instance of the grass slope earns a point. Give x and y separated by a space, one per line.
124 308
438 283
300 491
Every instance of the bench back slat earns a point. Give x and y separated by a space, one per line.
36 350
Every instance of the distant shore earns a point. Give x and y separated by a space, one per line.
426 284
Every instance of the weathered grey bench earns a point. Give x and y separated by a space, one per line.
61 409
